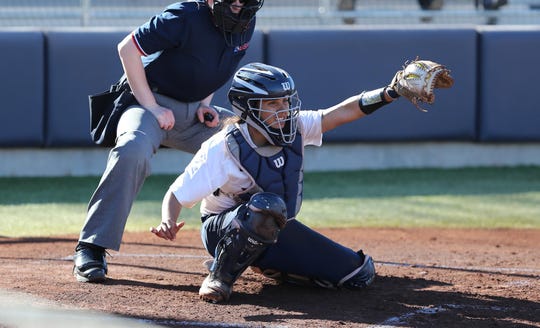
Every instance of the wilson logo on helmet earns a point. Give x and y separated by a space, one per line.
286 86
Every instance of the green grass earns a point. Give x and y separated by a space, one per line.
468 198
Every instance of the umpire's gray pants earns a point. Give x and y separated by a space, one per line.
139 138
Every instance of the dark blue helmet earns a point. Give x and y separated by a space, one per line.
256 82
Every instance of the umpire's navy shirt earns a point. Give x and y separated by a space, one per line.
186 55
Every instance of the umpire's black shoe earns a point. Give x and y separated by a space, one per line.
89 263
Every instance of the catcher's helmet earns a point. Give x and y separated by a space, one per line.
256 82
230 22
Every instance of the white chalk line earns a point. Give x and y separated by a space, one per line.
186 256
460 268
429 310
384 263
174 323
180 256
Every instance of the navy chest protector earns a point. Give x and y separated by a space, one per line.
281 173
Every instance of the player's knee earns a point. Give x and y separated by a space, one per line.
133 148
265 217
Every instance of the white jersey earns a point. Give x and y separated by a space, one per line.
213 168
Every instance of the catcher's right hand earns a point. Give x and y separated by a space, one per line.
418 79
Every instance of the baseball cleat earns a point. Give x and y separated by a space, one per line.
89 263
214 290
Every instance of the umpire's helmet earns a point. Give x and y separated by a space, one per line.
230 22
256 82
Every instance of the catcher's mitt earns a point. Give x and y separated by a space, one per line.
418 80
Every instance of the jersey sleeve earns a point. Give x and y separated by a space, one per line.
163 31
310 125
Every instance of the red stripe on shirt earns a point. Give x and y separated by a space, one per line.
141 51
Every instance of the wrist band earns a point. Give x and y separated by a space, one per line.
370 101
392 93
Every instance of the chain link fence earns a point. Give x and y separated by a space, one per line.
277 13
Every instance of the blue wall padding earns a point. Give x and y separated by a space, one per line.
22 89
509 84
330 65
48 75
79 63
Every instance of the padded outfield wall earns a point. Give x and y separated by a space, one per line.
48 74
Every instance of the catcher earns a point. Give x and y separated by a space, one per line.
249 179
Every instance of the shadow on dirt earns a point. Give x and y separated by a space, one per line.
391 301
34 240
168 287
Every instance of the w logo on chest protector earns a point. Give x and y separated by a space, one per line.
279 162
279 171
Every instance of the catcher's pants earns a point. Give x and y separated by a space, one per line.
299 250
139 138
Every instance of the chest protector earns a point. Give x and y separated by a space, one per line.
280 172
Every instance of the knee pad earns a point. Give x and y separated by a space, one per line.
234 253
265 216
251 232
240 247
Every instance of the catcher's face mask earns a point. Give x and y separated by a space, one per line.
278 117
233 16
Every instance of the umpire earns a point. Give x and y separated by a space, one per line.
188 52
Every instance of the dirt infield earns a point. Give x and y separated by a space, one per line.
426 278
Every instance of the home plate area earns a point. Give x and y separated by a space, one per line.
425 278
